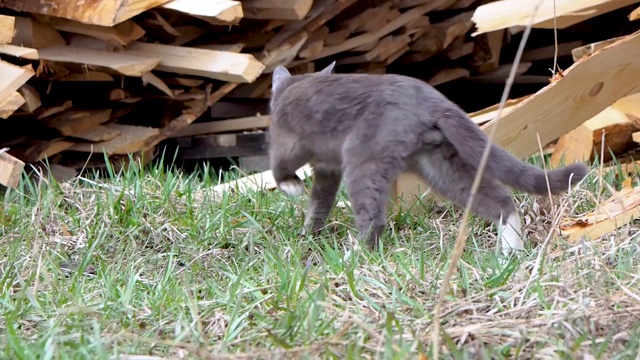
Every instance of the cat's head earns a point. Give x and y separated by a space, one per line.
282 78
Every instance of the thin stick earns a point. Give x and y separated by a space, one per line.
462 234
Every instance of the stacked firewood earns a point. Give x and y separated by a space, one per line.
82 83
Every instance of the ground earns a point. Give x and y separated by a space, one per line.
152 262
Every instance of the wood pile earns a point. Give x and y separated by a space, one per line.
82 83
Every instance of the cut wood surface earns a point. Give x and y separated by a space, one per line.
120 34
10 104
211 127
32 33
31 98
219 65
19 52
120 62
220 12
260 181
131 139
276 9
106 13
12 77
78 120
589 49
635 14
507 13
10 169
587 87
620 209
7 27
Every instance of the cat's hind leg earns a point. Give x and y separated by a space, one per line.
325 186
452 178
285 157
369 187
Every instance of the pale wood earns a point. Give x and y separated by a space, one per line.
188 33
98 133
78 120
131 139
587 87
150 78
366 38
19 51
220 126
635 14
259 181
507 13
10 169
52 110
234 48
636 137
31 98
10 104
447 75
219 65
106 13
120 34
276 9
314 43
32 33
337 37
122 62
548 52
589 49
7 28
217 12
485 115
585 141
620 209
12 77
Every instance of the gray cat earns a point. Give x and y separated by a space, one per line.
370 128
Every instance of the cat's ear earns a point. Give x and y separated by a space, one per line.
329 69
280 75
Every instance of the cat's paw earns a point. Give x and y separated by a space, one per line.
292 187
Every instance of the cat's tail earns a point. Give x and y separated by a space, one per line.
470 141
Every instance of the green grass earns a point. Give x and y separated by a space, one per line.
152 262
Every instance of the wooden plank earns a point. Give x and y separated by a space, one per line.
131 139
10 169
7 29
121 62
548 52
219 65
276 9
589 49
106 13
120 34
217 12
12 77
31 98
620 209
587 87
635 14
78 120
10 104
98 134
507 13
260 181
19 52
32 33
211 127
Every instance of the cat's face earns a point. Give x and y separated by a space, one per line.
281 77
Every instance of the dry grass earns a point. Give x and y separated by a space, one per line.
151 263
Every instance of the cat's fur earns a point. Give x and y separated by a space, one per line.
370 128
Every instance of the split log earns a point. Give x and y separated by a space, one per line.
120 62
106 13
120 34
12 77
217 12
7 26
34 34
620 209
508 13
10 169
221 126
219 65
276 9
19 52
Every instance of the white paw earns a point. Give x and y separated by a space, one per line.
292 187
510 235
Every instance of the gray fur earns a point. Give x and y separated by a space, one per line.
368 129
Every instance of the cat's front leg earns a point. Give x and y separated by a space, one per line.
323 194
285 157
